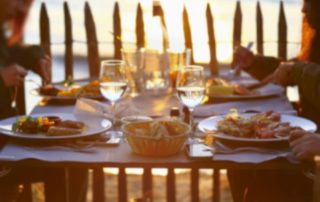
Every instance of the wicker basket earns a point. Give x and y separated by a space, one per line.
150 146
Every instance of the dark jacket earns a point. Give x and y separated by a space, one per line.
26 56
305 75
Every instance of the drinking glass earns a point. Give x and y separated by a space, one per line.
113 84
134 59
177 59
155 72
191 88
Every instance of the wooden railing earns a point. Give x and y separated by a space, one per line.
94 60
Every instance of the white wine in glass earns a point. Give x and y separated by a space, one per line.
191 87
113 84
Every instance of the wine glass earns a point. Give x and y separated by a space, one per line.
190 86
113 84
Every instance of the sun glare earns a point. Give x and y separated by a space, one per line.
197 17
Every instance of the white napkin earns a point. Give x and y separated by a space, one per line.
249 157
88 107
249 154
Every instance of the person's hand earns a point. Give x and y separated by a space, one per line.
304 145
13 75
242 58
43 68
281 75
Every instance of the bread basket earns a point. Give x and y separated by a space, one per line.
148 145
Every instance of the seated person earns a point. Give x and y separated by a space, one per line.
277 185
15 59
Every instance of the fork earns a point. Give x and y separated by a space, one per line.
222 149
67 147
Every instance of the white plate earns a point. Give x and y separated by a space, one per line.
265 91
60 86
93 126
210 123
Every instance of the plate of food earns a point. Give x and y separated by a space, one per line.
221 88
254 127
54 126
70 90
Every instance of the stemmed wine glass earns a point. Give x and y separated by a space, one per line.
191 88
113 84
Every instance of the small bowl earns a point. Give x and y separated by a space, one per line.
135 119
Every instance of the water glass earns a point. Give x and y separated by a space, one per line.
156 73
134 59
177 59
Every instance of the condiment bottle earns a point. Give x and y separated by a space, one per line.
175 113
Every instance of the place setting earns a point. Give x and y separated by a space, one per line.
248 137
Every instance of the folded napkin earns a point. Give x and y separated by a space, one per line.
88 107
252 154
277 104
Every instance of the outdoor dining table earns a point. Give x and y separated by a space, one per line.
14 153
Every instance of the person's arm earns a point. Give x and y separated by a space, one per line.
304 145
33 58
257 66
262 66
307 77
26 56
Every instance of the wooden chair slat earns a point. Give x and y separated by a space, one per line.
98 185
194 185
92 42
68 59
171 186
216 185
259 29
212 42
140 34
117 31
282 34
122 185
147 184
187 31
26 195
237 23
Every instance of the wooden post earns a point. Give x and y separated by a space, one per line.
157 11
45 30
187 32
117 31
147 184
122 185
259 29
140 28
237 23
282 34
171 186
212 42
92 42
68 58
194 185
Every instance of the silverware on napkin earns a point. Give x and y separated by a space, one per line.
67 147
220 148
